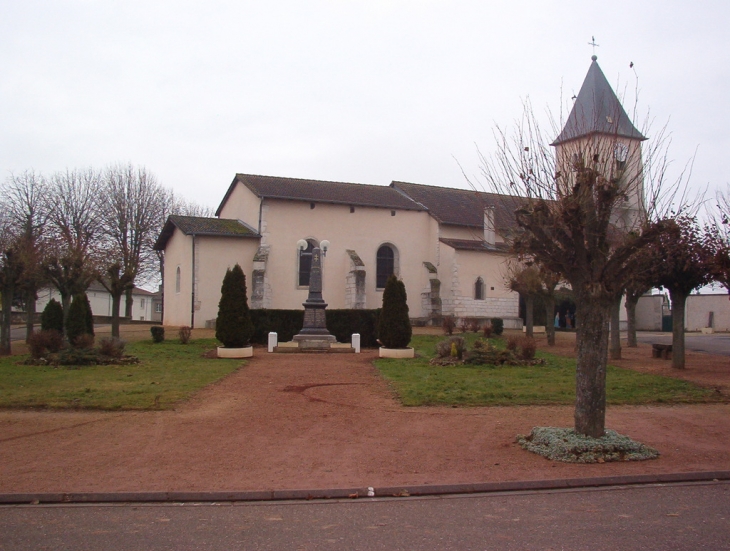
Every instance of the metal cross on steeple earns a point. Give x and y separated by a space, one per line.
593 43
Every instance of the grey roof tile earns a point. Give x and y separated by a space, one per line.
318 191
597 110
189 225
462 207
475 245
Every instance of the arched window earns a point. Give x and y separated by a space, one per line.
385 265
177 280
305 263
479 289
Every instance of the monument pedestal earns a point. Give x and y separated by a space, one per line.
314 336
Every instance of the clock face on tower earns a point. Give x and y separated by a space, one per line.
621 152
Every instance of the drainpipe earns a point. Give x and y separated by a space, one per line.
261 213
192 288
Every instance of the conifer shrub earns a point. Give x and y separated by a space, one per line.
43 342
52 317
394 325
453 346
158 333
448 324
111 347
184 334
78 321
528 347
497 326
233 326
88 315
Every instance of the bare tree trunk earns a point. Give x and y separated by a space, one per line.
128 305
116 305
590 379
550 319
615 348
631 302
30 298
5 323
529 311
66 303
678 302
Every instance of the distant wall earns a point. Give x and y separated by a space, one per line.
698 308
649 313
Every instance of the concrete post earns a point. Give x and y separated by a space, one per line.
356 342
273 341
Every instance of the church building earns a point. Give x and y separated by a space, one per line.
449 246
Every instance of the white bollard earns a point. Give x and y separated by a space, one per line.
273 341
356 342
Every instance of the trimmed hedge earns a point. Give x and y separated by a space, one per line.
341 323
286 323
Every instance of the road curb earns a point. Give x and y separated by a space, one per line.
354 493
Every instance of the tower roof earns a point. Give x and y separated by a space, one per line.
597 110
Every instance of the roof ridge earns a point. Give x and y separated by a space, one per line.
308 180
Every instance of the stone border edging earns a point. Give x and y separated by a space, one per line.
352 493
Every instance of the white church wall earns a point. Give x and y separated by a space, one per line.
364 231
213 256
178 254
242 204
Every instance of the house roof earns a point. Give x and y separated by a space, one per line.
474 245
462 207
196 225
597 110
318 191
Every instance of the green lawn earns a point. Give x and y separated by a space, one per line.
417 383
167 373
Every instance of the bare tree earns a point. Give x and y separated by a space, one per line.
27 207
130 216
589 210
10 273
75 226
684 255
534 281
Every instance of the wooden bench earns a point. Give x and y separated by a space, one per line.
663 351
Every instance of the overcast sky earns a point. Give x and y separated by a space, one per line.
366 92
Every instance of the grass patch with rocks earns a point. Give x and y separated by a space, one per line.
167 373
419 383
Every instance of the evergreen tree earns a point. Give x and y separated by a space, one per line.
233 325
52 316
89 316
77 323
394 326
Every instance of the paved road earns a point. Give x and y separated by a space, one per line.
718 343
675 517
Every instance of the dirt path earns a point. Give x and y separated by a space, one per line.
315 421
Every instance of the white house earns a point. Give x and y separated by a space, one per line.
145 306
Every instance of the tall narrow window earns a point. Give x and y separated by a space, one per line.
305 263
385 265
479 289
177 280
